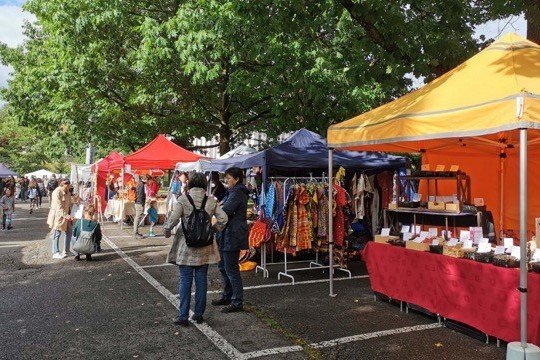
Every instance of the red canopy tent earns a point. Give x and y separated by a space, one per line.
160 153
102 168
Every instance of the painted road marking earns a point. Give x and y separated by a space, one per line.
33 218
341 341
157 265
218 340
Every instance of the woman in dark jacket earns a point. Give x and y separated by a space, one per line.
231 240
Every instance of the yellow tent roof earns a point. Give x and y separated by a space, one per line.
495 91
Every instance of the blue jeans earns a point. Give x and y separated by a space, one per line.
186 280
67 239
231 280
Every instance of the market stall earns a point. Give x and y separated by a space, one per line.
295 191
483 117
203 165
5 171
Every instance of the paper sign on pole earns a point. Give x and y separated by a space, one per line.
385 232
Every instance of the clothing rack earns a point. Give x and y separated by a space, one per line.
312 264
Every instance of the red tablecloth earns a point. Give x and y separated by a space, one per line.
483 296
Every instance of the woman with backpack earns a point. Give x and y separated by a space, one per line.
194 248
89 229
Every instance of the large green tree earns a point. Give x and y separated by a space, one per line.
116 72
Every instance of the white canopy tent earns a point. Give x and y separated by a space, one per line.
40 174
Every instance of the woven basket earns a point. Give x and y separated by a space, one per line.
469 253
484 257
535 266
436 249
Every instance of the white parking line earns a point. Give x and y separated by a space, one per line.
340 341
32 218
218 340
157 265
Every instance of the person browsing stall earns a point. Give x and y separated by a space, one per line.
194 248
233 239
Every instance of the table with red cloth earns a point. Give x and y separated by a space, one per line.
483 296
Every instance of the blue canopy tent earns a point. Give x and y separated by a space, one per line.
5 172
307 150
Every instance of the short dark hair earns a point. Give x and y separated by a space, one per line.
236 173
197 180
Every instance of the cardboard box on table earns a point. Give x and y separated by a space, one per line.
432 205
384 239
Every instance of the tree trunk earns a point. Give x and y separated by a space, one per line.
532 14
225 134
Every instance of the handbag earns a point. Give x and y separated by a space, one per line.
84 244
260 231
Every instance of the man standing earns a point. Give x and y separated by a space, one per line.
59 219
140 201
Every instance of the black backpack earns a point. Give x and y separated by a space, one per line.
53 184
198 229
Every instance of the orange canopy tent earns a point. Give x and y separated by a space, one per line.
484 115
160 153
469 117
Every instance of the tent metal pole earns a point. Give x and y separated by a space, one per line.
501 210
331 219
523 232
122 199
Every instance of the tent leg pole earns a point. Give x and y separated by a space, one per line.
331 219
523 232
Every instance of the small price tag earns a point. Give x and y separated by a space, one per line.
385 232
405 229
418 240
484 248
536 255
435 242
464 235
434 232
467 244
407 236
423 235
499 250
452 242
508 242
446 234
417 229
516 252
483 241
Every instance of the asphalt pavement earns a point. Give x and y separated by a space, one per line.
120 306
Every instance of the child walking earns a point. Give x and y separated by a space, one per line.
33 194
152 217
7 203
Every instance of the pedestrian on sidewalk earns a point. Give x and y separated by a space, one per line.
140 201
93 229
33 194
193 261
7 203
231 240
41 192
59 219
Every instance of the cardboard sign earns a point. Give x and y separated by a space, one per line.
405 229
435 242
417 229
467 244
423 235
425 167
440 168
418 240
446 234
454 168
477 233
385 232
499 250
407 236
484 248
434 232
483 241
516 252
536 255
508 242
464 235
452 242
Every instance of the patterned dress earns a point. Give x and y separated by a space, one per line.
304 231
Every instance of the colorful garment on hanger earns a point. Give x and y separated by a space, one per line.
270 201
386 183
339 214
304 234
322 213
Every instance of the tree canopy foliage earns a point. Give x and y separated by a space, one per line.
117 72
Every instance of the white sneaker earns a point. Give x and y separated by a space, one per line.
64 255
57 256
